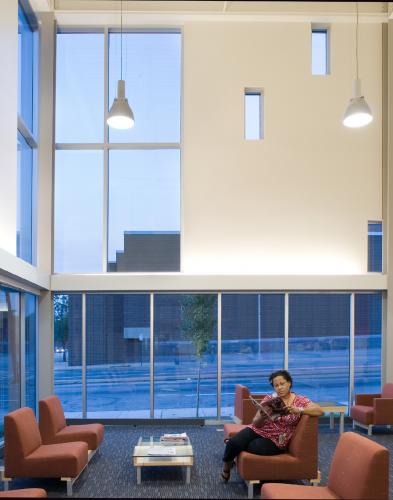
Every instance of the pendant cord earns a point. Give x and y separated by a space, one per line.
121 39
357 40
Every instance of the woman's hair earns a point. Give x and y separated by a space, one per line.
282 373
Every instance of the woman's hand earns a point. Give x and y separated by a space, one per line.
259 418
313 409
296 410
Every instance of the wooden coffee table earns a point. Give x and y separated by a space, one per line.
151 452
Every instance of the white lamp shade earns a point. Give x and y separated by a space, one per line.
358 113
120 115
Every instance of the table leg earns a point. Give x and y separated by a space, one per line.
332 420
138 475
188 475
341 422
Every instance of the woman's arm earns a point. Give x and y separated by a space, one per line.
312 409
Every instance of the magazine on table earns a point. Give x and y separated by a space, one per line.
272 408
174 438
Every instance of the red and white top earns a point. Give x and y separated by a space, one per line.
280 430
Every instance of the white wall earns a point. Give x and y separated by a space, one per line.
8 123
299 200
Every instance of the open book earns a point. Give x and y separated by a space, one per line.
272 408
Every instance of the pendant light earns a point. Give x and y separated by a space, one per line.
358 113
120 115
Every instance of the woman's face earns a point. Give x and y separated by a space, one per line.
281 386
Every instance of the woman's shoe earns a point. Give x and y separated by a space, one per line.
225 475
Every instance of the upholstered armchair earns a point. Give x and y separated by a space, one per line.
373 409
299 462
359 470
53 427
26 456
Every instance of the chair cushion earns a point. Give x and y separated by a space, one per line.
292 491
92 434
232 429
25 493
275 467
52 460
363 414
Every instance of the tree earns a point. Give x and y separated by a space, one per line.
198 321
61 322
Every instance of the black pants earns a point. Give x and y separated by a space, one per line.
248 440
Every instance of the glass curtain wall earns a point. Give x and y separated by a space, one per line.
177 376
252 343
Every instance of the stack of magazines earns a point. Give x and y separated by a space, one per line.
174 438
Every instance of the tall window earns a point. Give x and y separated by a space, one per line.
68 352
252 342
375 234
27 144
320 51
118 355
9 353
130 219
185 355
368 342
319 329
31 350
253 115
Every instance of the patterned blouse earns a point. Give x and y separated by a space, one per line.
282 428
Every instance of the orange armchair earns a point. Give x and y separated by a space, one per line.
373 409
359 470
26 456
300 461
54 430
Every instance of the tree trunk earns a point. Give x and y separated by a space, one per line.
198 385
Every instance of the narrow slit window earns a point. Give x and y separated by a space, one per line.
319 51
253 115
375 235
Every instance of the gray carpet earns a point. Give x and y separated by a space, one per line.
111 474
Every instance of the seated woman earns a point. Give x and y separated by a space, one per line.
270 434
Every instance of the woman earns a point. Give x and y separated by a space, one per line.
270 436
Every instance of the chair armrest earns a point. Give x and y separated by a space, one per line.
383 411
366 399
